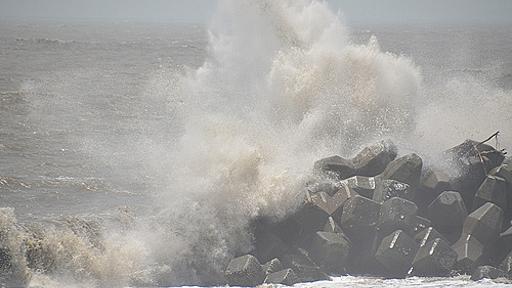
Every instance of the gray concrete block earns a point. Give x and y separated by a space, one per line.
396 253
336 166
272 266
447 212
364 186
493 189
359 217
397 214
435 258
284 277
406 169
330 251
487 272
387 189
373 159
244 271
470 254
484 223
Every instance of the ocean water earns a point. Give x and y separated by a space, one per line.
149 148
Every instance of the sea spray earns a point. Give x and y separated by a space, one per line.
281 87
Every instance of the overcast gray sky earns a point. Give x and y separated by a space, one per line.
359 11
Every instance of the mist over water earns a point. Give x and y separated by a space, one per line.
221 143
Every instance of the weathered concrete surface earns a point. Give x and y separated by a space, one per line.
330 251
396 253
359 218
484 223
493 189
435 258
487 272
336 166
373 159
387 189
448 212
244 271
470 254
406 169
284 277
397 214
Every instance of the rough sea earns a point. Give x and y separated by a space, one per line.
170 138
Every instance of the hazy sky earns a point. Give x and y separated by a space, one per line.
364 11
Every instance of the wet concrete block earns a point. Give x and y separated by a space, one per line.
484 223
336 167
447 212
359 217
364 186
284 277
267 244
396 253
503 171
397 214
406 169
331 226
387 189
330 251
435 258
470 254
373 159
493 189
436 181
305 268
433 182
506 264
420 224
427 235
272 266
474 161
487 272
245 271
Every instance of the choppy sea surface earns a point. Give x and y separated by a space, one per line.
87 123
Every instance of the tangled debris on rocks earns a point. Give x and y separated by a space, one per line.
391 217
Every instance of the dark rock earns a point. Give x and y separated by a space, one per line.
330 251
435 258
487 272
397 214
396 253
244 271
359 217
484 223
336 166
447 212
493 189
387 189
305 269
373 159
284 277
406 169
364 186
427 235
420 224
470 254
272 266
